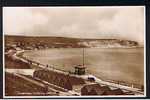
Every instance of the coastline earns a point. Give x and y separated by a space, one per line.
97 79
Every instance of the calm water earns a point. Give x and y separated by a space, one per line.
115 64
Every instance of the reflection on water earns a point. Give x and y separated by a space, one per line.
116 64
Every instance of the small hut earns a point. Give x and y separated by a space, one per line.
79 70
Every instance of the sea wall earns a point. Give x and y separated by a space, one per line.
60 79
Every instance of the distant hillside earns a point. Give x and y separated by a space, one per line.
64 42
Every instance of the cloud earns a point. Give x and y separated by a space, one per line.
82 22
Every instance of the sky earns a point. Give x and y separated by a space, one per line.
121 22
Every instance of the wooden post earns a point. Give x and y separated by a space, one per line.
83 57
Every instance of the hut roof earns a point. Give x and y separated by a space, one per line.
80 66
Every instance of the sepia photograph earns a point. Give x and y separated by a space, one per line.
73 51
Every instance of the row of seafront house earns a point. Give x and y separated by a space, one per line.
89 84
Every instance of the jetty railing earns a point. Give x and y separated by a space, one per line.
133 85
53 67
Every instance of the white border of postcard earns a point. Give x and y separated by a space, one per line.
118 96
